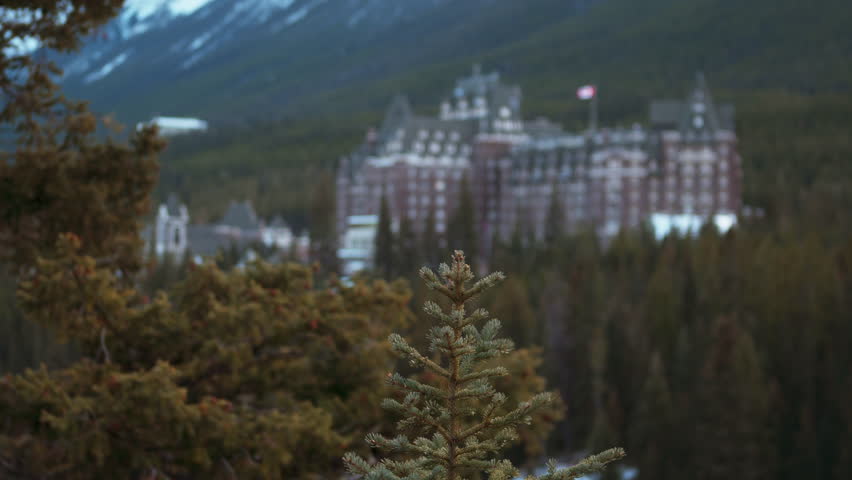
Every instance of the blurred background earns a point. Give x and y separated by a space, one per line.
667 184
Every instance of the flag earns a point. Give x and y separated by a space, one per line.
587 92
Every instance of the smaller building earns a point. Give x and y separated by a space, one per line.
171 126
358 243
240 227
169 233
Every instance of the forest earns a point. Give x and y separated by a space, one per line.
712 356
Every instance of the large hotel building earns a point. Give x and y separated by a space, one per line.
682 168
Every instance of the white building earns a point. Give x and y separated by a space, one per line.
171 233
170 228
171 126
358 243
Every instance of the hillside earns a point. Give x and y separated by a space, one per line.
783 63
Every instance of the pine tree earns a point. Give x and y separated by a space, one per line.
429 240
461 229
513 304
323 231
554 227
455 417
384 247
246 374
57 178
407 250
732 430
651 432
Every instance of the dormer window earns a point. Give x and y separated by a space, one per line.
505 112
698 122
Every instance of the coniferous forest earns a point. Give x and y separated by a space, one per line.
713 356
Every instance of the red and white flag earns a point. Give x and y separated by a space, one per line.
587 92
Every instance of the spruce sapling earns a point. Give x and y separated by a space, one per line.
457 421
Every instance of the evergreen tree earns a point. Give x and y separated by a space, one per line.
407 249
57 178
732 433
323 223
430 243
247 374
462 228
513 305
554 226
385 241
455 417
651 429
254 371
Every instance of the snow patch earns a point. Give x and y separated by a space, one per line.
297 15
200 41
107 68
145 8
356 17
687 224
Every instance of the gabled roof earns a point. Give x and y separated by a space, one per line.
173 205
398 111
679 114
240 215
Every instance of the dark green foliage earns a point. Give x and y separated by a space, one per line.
385 241
554 223
608 311
407 249
652 434
322 225
429 240
734 410
462 228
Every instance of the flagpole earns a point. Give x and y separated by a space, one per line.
593 113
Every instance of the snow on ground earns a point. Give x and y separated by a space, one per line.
107 68
146 8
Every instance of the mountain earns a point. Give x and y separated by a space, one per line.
290 85
233 59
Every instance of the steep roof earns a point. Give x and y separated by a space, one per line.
240 215
680 114
204 240
173 205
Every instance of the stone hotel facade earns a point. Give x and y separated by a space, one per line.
681 168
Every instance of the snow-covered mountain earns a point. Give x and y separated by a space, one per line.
238 58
